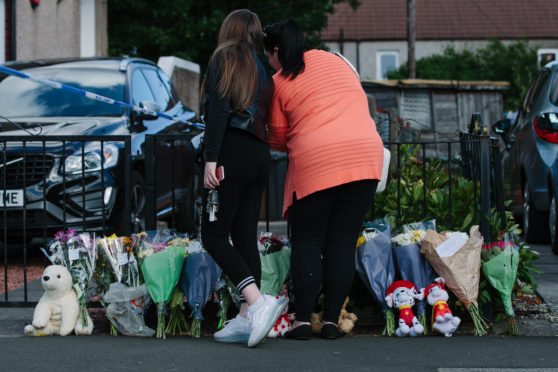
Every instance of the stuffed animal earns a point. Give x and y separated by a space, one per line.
443 320
402 294
57 312
283 322
346 321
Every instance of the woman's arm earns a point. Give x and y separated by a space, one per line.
278 125
218 112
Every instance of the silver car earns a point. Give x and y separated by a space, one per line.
529 157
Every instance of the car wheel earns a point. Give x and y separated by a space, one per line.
535 225
553 225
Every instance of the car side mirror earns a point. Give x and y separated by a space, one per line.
502 127
151 106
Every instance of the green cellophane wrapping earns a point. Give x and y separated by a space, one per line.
501 271
161 272
275 268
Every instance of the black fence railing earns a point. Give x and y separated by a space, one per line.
52 183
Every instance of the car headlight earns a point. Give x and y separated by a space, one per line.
92 158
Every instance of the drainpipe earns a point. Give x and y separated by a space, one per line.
341 40
358 56
12 55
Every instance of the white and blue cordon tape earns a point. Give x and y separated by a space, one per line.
94 96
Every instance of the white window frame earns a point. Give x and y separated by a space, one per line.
379 56
2 31
540 52
87 28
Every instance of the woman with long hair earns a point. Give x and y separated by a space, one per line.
319 115
236 93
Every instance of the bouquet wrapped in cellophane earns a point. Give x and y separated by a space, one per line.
275 257
500 263
459 263
77 253
199 279
124 295
375 266
161 256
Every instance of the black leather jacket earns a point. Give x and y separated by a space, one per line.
219 114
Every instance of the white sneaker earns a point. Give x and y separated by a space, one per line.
236 330
263 317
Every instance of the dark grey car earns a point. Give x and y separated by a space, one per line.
529 155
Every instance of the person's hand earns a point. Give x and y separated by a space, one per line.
210 180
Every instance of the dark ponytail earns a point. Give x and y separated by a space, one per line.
289 38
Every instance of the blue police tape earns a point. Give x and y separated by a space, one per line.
110 101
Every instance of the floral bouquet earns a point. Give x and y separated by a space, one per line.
500 263
118 264
119 254
275 256
411 264
459 262
199 278
374 264
161 261
77 253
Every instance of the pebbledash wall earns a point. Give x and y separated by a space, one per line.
53 29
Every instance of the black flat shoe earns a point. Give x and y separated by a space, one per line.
331 332
302 332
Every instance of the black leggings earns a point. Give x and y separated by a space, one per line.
327 223
246 161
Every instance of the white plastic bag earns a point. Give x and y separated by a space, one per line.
126 309
385 168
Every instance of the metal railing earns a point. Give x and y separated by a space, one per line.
45 186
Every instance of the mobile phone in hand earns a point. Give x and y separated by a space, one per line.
220 173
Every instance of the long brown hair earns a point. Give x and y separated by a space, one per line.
240 34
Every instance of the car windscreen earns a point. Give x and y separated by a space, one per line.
26 98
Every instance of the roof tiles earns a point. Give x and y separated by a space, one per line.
445 20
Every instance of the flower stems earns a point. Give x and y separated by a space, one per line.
196 327
512 326
422 320
389 329
84 317
113 331
480 325
161 320
177 321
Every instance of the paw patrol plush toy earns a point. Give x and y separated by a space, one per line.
402 294
443 320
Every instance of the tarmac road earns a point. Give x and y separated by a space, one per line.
353 353
535 350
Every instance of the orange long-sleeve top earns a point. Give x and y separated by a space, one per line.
321 119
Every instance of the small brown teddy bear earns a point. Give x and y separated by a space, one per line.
346 320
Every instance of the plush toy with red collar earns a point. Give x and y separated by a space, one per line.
443 320
402 294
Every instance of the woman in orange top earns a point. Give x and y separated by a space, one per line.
319 115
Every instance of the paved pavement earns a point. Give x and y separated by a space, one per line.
535 350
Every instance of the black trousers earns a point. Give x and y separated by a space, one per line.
246 161
327 223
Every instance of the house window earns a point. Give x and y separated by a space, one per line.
545 56
385 62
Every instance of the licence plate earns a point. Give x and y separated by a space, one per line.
11 198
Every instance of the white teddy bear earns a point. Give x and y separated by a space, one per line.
443 321
57 312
